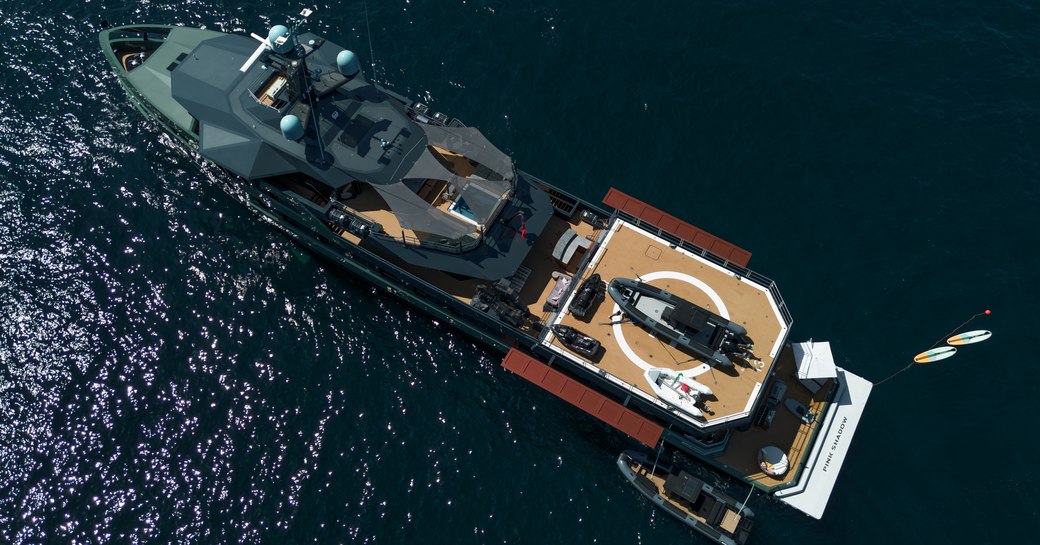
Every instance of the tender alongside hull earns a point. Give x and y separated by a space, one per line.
695 503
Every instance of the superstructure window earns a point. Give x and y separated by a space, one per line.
176 62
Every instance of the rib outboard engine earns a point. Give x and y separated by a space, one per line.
736 344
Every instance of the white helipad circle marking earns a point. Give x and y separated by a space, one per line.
712 294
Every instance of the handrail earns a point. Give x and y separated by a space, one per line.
458 246
258 101
146 33
410 281
353 213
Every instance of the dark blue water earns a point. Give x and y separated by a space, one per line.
175 370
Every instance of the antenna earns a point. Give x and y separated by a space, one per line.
304 14
309 91
265 44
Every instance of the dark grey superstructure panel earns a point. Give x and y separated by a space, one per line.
416 214
204 81
356 131
502 250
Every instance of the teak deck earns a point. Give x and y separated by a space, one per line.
629 252
787 432
539 261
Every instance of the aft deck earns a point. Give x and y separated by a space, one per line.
787 431
628 350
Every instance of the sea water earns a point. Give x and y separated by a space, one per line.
174 369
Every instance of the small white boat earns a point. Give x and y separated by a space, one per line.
673 389
674 375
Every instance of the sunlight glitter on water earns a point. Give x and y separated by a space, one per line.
174 370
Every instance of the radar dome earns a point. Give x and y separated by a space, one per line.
281 40
348 63
292 128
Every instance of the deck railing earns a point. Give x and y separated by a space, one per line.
339 205
456 246
375 229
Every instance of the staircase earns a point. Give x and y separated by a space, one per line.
519 278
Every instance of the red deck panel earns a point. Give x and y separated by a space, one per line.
550 381
610 413
583 397
669 223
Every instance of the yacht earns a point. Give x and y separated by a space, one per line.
428 210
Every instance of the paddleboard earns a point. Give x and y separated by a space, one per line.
935 354
969 337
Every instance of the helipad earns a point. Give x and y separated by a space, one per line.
629 252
